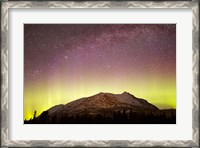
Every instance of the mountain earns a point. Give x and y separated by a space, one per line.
100 108
108 101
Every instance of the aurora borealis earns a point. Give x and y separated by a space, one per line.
64 62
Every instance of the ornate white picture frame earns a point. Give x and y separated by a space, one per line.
7 141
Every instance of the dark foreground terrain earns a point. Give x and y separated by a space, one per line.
120 117
106 108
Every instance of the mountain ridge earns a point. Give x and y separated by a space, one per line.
101 105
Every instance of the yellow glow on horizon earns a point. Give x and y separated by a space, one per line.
161 93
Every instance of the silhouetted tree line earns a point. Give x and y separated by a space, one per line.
116 117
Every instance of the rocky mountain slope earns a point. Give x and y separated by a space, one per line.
100 108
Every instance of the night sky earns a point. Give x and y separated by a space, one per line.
63 62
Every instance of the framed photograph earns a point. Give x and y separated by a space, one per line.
100 73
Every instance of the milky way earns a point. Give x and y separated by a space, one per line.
69 61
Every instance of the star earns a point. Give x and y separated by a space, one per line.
66 57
